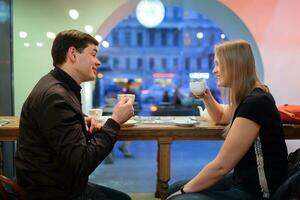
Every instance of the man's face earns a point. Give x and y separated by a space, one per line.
87 63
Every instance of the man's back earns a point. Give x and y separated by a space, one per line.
38 169
58 148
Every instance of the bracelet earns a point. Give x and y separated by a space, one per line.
181 190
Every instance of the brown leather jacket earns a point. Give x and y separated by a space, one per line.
55 155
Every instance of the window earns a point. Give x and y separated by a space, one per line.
175 13
128 38
128 63
187 64
115 38
187 39
175 37
164 37
139 63
211 39
151 37
139 37
175 63
199 63
116 63
164 63
151 63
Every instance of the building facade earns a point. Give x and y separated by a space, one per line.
165 55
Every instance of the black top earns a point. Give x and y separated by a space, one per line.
55 154
260 107
63 77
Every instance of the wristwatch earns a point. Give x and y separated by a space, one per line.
181 190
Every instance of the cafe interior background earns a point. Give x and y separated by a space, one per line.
270 26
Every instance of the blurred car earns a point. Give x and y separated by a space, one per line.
154 94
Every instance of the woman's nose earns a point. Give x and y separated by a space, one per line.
214 70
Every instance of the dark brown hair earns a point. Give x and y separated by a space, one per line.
69 38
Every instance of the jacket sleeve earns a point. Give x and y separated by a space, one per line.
63 129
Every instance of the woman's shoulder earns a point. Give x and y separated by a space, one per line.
259 96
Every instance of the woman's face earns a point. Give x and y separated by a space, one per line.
218 69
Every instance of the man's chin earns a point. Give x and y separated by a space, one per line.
93 77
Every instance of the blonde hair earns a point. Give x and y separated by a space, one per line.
237 65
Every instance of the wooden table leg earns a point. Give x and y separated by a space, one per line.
163 166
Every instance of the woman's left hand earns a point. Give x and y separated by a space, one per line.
174 194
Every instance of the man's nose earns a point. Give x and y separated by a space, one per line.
98 63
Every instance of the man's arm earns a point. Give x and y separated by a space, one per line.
65 132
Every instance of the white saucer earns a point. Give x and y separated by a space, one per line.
185 122
130 122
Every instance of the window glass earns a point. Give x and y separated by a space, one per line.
163 58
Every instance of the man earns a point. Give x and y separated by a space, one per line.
57 147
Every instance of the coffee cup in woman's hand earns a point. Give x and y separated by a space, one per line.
198 87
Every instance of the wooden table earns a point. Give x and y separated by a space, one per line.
9 132
164 134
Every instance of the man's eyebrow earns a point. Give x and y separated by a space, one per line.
95 50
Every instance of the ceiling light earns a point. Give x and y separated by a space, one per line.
105 44
50 35
88 28
23 34
26 44
74 14
223 36
199 35
39 44
199 75
150 13
98 38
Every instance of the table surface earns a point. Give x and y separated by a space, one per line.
161 129
152 130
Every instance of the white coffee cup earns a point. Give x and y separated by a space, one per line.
96 112
198 86
130 96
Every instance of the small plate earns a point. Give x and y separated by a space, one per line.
130 122
185 122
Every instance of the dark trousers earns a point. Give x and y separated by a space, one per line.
97 192
223 190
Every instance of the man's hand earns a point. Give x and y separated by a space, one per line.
123 111
92 124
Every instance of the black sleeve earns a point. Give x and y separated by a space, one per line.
255 109
62 128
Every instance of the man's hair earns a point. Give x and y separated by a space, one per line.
66 39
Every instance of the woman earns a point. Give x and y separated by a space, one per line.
254 131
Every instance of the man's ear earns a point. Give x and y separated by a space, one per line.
71 54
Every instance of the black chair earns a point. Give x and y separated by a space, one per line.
17 191
290 189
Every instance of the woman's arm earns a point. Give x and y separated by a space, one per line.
220 114
240 137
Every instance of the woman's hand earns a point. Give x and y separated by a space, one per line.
204 94
174 194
